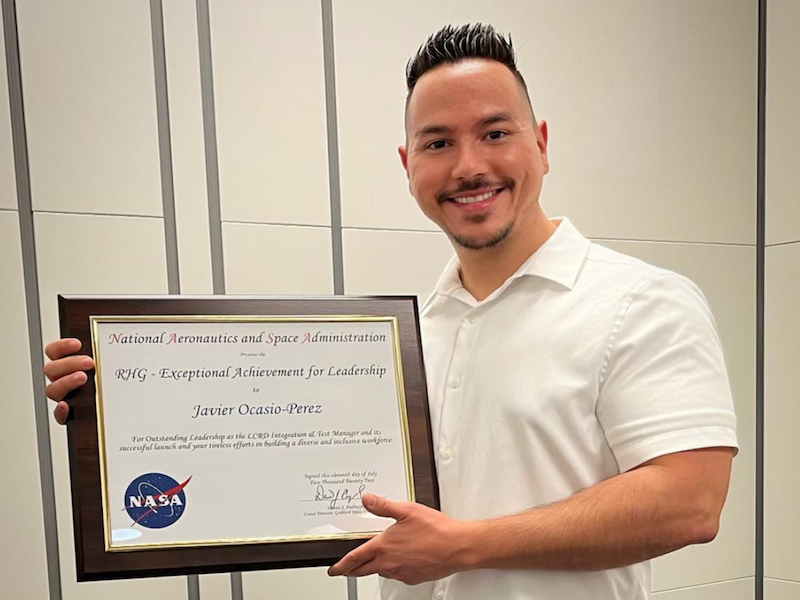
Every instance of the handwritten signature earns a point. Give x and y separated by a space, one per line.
335 498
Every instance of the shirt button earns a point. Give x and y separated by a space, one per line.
455 382
447 453
473 320
440 594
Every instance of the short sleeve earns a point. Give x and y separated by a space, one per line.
664 386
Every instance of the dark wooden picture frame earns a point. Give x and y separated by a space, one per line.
93 562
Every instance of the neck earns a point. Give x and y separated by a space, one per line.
483 271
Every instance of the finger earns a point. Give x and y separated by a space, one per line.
62 348
61 387
56 369
61 413
353 560
368 568
383 507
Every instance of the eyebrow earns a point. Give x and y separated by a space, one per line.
498 118
490 120
432 130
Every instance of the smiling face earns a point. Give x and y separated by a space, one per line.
474 156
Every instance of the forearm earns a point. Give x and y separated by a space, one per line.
667 503
629 518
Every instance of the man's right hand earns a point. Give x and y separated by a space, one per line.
65 372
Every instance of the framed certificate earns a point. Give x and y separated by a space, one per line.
239 433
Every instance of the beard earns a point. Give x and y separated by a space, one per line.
486 243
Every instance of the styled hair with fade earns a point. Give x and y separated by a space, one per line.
453 44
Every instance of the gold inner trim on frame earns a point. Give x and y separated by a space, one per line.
403 415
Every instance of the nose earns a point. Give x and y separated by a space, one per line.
469 162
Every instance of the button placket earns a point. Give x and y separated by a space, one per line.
453 392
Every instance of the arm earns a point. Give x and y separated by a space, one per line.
660 506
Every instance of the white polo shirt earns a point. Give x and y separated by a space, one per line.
582 365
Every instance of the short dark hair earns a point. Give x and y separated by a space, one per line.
453 44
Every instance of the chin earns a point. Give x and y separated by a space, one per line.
484 242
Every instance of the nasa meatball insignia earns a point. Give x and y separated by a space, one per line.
155 500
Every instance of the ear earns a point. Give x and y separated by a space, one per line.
401 150
541 141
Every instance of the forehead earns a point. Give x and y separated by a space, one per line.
453 94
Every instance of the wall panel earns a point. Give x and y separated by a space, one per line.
23 566
8 188
731 295
79 254
782 413
783 122
274 259
635 143
270 106
88 86
781 590
368 587
394 262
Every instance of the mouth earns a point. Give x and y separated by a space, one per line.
476 197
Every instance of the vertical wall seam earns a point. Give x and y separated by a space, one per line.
237 586
193 587
210 143
352 588
212 181
30 276
334 181
334 178
167 181
165 146
761 209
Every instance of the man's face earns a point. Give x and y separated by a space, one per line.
474 156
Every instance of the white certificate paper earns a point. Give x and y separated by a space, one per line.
231 430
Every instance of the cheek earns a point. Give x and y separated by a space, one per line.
519 161
423 183
523 168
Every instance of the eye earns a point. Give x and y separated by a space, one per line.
436 145
496 135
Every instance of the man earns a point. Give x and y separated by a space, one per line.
580 408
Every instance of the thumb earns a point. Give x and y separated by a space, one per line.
384 507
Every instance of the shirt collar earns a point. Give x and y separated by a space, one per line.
559 259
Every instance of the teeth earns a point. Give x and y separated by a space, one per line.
473 199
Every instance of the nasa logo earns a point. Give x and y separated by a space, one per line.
155 500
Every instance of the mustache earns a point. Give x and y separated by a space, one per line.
472 185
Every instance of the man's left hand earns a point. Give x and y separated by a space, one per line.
424 544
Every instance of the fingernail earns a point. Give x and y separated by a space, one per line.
369 500
87 363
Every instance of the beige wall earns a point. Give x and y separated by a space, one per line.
652 116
